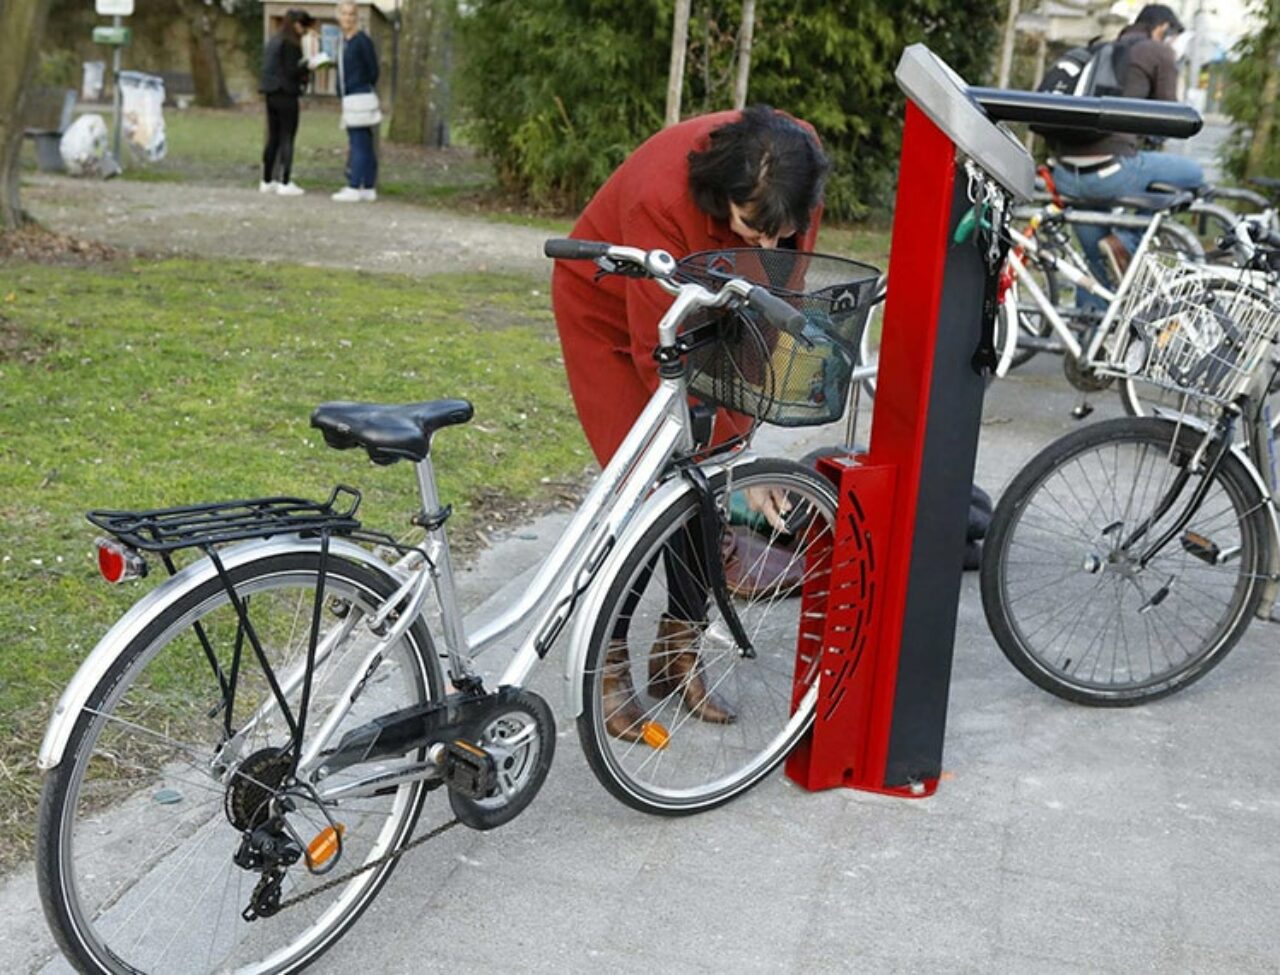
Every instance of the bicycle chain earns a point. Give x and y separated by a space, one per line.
365 868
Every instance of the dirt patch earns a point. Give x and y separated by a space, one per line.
19 345
496 514
44 246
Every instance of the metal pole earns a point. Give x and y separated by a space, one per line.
117 102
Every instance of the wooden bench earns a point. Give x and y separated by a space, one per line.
46 115
179 88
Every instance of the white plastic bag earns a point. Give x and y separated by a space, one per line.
142 112
84 146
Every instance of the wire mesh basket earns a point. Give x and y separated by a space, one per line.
1193 329
749 366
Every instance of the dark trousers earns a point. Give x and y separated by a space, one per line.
362 165
282 126
684 559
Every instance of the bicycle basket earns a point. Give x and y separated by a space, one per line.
749 366
1196 330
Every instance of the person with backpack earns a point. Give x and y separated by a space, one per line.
1094 165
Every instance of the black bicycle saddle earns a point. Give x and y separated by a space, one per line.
388 433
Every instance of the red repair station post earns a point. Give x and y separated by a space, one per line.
887 611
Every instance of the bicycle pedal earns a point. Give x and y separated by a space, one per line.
1204 549
470 770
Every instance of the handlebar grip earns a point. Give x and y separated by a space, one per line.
568 249
776 312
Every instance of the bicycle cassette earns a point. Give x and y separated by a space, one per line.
495 769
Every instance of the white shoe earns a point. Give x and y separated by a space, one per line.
368 196
265 187
348 194
290 189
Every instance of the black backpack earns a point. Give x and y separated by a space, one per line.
1098 70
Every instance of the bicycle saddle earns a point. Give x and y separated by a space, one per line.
388 433
1169 202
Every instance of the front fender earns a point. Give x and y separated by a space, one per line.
100 659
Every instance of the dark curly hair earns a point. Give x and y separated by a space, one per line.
766 163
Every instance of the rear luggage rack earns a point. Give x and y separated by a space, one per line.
205 525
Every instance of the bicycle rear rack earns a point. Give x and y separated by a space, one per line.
204 525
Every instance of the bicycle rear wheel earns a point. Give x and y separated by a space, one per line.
136 835
1064 594
687 765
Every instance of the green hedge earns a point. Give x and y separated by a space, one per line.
559 92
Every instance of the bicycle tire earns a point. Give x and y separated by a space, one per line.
1048 539
161 892
696 771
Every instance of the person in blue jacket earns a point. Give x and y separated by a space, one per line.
359 74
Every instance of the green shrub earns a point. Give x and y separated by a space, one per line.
561 91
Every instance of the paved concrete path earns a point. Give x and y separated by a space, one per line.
1063 839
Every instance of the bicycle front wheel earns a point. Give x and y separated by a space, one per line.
137 838
1065 593
675 754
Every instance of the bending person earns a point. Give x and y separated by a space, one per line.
726 180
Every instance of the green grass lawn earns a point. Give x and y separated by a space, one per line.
154 384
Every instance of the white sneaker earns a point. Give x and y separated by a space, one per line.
368 196
265 187
348 194
290 189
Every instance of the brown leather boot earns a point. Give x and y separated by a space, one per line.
674 667
623 718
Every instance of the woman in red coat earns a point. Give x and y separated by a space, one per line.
730 179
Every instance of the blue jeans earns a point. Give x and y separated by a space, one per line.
363 165
1136 173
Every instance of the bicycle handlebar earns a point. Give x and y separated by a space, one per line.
568 249
1135 116
660 266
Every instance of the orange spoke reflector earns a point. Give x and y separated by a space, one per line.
321 850
655 736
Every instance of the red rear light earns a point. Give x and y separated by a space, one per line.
118 562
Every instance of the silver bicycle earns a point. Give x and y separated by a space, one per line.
238 765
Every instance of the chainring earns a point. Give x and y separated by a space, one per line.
1085 381
518 731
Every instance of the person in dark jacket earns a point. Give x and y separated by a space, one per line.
284 76
358 75
1113 166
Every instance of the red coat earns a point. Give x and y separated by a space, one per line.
609 328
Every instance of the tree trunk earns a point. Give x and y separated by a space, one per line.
1006 46
746 35
21 26
679 45
418 74
206 66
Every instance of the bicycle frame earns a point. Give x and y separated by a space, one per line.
1087 355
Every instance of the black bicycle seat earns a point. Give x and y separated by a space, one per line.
1165 202
388 433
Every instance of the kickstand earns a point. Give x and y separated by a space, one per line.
1082 409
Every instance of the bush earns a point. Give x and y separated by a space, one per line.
561 91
